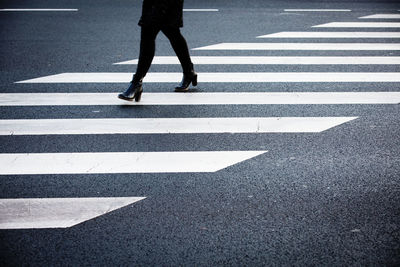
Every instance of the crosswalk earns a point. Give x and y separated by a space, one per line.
332 35
188 161
315 10
382 16
224 77
170 125
270 60
117 162
38 213
359 25
303 46
217 98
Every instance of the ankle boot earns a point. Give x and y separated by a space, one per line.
189 77
133 92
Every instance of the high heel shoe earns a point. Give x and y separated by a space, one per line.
134 91
188 78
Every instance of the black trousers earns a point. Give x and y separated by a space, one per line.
148 47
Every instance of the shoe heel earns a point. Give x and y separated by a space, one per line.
194 81
138 95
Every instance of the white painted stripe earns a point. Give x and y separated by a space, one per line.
121 162
382 16
170 125
332 35
317 10
301 46
200 10
226 77
359 25
263 60
274 98
38 9
35 213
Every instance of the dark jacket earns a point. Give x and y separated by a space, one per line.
162 13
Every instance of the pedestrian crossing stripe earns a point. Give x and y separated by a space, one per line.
121 162
359 25
36 213
303 46
38 9
221 98
332 35
317 10
222 77
271 60
170 125
382 16
200 10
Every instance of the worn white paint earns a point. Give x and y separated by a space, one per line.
34 213
121 162
170 125
271 60
332 35
302 46
223 77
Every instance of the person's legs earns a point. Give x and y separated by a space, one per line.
147 50
181 49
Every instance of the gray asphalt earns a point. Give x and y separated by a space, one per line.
329 198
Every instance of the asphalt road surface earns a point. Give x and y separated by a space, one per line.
286 153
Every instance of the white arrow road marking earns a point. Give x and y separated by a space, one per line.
225 77
33 213
278 98
302 46
121 162
359 25
261 60
332 35
170 125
